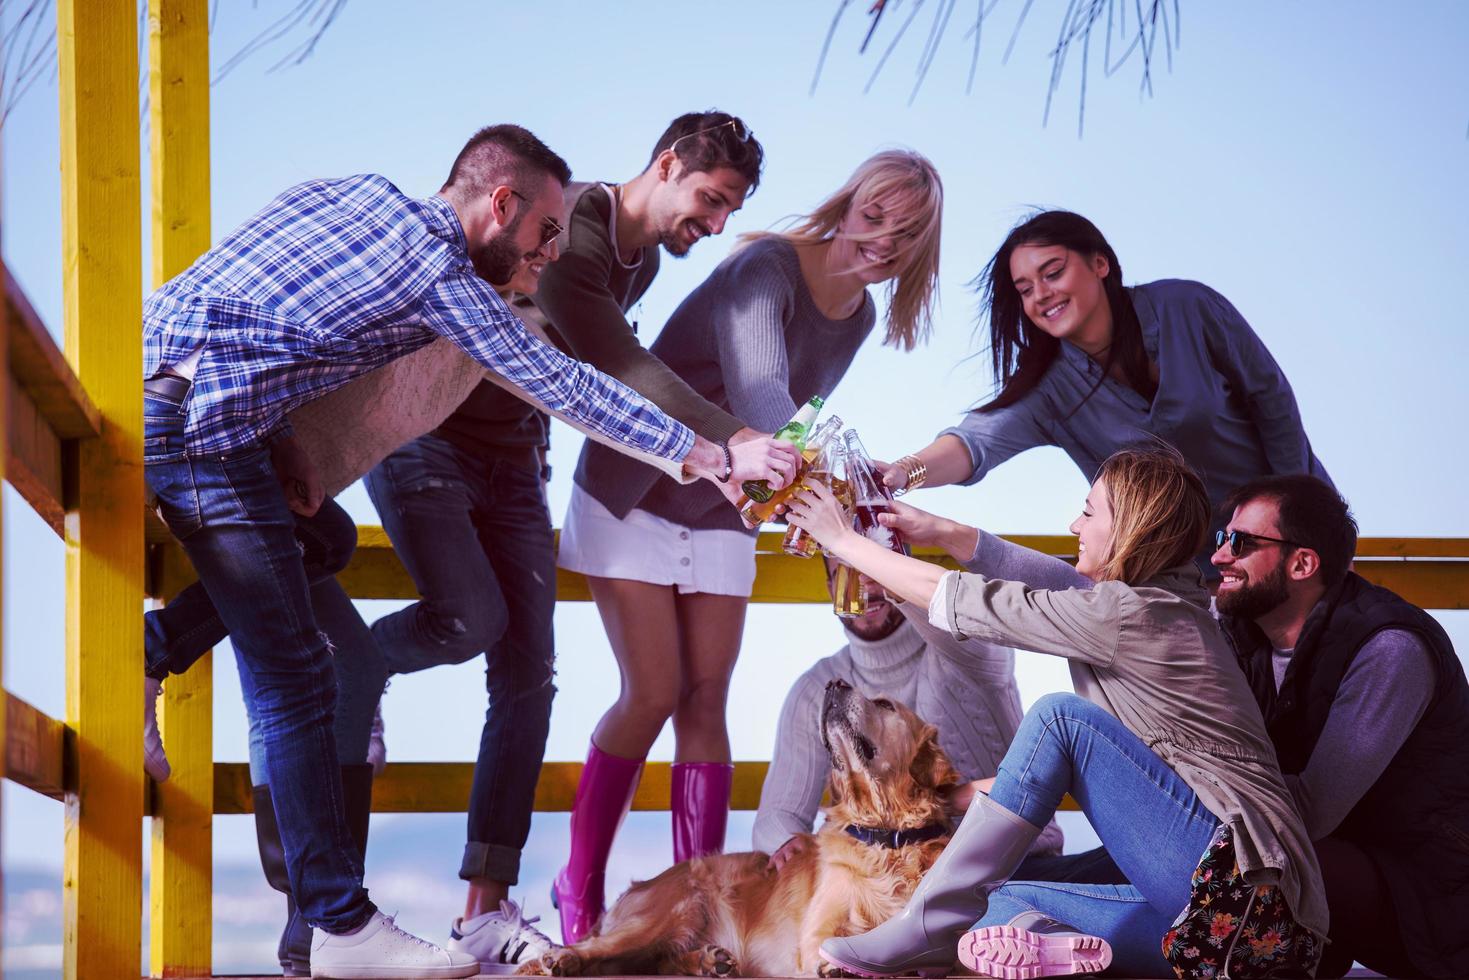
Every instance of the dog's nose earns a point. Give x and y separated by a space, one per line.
837 684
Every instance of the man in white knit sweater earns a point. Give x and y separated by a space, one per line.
965 689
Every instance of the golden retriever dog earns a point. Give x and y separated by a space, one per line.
730 915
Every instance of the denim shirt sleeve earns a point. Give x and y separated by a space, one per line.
993 437
1239 355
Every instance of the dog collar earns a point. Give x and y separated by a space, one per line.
887 837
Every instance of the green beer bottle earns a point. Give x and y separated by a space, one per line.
794 431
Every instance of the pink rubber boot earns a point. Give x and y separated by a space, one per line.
700 808
1033 945
603 797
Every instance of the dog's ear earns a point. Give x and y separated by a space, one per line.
931 766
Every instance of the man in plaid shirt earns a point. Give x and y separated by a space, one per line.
331 280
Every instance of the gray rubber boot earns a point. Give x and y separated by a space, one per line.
1033 945
923 939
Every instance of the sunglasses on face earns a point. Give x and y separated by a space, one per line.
742 133
1242 542
550 228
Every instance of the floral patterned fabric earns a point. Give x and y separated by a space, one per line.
1233 929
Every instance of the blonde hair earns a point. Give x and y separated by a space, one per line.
912 181
1160 512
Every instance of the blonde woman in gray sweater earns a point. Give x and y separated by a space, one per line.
671 567
1162 744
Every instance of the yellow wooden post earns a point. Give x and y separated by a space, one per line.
181 883
97 49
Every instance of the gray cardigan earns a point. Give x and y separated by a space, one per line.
966 690
751 340
1154 657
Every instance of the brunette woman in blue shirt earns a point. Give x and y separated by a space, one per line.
1091 366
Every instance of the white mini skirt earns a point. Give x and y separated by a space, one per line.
646 548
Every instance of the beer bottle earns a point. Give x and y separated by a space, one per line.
848 598
870 496
794 431
827 469
755 512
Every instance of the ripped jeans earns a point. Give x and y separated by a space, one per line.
473 531
229 514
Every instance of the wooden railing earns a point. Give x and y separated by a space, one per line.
73 451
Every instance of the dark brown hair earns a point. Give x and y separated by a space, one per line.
1020 350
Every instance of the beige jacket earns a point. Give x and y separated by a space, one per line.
1154 657
351 429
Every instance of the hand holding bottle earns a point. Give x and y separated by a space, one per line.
764 458
816 509
919 527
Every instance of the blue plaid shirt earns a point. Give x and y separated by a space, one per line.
337 277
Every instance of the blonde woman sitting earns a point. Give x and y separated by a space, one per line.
1161 745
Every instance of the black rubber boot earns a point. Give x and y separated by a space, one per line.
294 949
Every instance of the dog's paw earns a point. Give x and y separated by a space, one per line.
826 969
560 962
716 961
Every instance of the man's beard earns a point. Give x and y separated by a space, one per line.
1257 598
674 247
880 630
496 260
673 244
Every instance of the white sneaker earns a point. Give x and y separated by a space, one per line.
502 940
377 749
155 763
381 949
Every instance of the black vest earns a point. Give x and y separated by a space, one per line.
1414 821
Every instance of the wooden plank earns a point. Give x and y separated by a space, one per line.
443 787
1426 584
1412 548
36 748
33 457
375 572
42 371
97 54
181 883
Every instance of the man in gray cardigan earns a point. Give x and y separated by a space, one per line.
967 689
464 506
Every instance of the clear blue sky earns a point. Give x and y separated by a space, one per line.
1308 160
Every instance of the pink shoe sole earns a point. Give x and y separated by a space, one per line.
1015 954
928 974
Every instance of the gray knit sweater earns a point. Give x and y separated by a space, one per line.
751 340
965 689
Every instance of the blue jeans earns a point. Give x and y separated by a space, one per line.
177 635
229 514
473 531
361 675
1149 820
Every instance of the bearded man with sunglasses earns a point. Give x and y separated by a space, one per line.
1368 708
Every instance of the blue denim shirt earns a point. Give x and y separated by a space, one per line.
337 277
1222 400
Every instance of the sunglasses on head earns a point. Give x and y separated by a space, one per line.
741 132
550 228
1242 541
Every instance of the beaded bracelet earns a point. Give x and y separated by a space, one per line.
728 462
915 472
